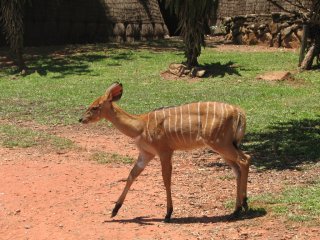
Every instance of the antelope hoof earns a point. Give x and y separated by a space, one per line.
245 205
236 214
167 218
116 209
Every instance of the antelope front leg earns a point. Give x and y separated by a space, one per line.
166 166
143 159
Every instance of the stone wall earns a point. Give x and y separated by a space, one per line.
232 8
276 29
259 22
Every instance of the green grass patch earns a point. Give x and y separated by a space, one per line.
105 158
295 203
13 136
227 177
283 118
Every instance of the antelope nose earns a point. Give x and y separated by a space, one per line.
80 120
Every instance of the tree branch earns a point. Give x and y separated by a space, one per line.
303 12
298 4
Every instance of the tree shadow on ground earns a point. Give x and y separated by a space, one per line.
146 220
286 145
64 65
76 59
72 62
218 69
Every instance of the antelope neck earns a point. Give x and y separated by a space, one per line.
126 123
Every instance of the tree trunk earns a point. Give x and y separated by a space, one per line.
20 61
308 59
192 61
313 52
11 17
303 43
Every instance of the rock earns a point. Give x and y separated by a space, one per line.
299 34
284 25
176 65
27 226
182 70
262 26
286 32
275 76
201 73
274 28
17 212
177 69
257 29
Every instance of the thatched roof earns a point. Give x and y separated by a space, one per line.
134 11
81 21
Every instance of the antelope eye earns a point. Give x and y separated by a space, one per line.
95 108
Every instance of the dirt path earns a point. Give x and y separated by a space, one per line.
49 195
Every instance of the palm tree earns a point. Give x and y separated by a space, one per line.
193 16
11 18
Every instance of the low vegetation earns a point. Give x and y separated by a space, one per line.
299 204
14 136
103 158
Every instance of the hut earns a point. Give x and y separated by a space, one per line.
89 21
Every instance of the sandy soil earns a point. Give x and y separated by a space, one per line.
63 195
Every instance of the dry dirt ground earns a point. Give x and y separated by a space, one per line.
46 194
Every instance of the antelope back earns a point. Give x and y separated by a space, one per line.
192 125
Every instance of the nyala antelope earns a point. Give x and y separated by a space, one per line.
160 132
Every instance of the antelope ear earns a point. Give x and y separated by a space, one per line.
114 92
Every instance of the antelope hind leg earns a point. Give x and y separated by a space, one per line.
166 167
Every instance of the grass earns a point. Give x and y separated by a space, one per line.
104 158
283 117
13 136
299 204
62 87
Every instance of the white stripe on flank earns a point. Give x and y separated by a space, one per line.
190 127
169 119
226 106
149 136
164 122
213 118
199 121
207 115
221 120
175 124
181 124
155 118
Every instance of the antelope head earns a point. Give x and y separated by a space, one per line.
102 106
